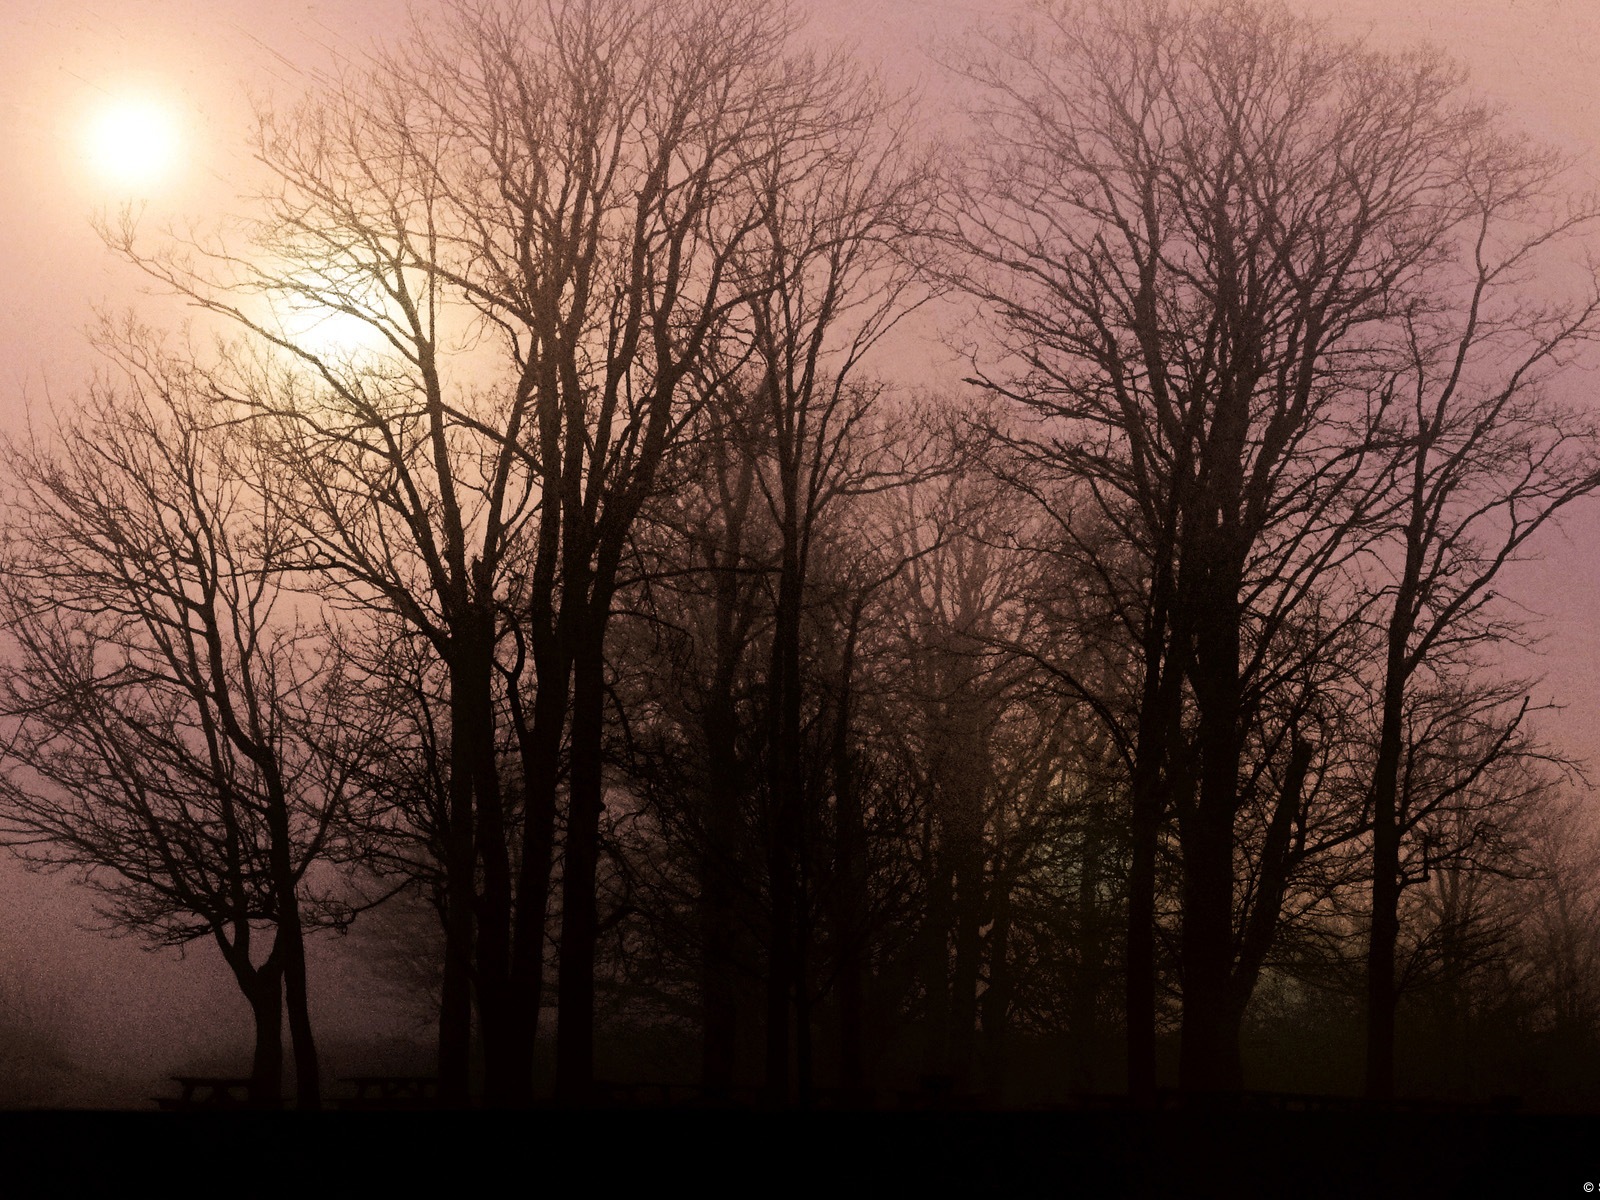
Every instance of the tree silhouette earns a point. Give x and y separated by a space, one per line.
176 725
552 537
1201 234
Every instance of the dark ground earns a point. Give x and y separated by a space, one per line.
744 1154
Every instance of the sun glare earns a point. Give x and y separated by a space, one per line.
133 142
333 334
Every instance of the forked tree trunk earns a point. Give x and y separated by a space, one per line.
263 988
289 947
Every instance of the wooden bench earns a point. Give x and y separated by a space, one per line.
391 1092
208 1093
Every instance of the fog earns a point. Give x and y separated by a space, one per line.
102 1020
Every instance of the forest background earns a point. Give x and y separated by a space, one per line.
163 1012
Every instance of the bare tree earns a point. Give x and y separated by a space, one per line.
694 666
1491 457
828 277
175 724
1197 231
533 212
35 1040
958 596
703 556
1558 934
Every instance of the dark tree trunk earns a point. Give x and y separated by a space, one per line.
473 719
263 988
850 915
785 792
289 948
718 868
307 1069
780 961
1159 733
719 1007
1083 996
1384 936
935 961
1209 1055
1266 909
580 870
968 947
719 1011
997 997
803 1036
455 1007
540 750
1208 1058
1384 932
1139 997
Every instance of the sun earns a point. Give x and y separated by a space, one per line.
133 142
334 334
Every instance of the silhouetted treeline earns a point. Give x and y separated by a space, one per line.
557 541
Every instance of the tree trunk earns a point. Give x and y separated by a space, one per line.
307 1069
289 947
850 895
1209 1055
935 964
719 1008
1159 733
803 1047
785 796
455 1007
1384 933
540 749
719 1011
1208 1059
780 963
263 988
968 947
473 729
580 868
1139 997
997 998
1084 990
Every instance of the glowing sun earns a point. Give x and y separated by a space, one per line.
133 142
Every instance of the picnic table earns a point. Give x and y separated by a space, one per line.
392 1091
208 1092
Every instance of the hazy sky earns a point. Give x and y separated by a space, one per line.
62 60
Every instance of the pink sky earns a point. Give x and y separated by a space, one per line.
62 57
